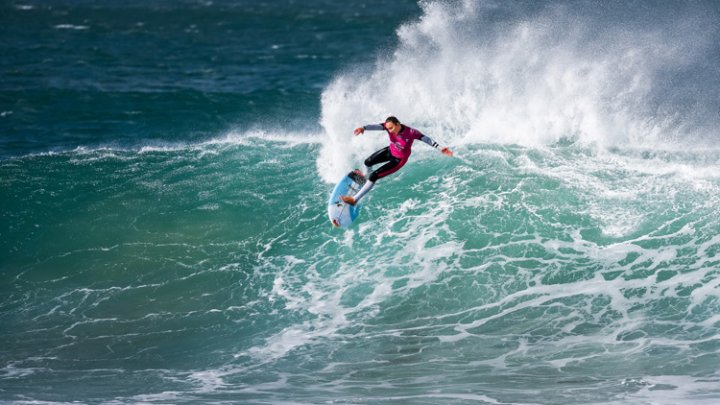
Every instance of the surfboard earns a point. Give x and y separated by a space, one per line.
340 213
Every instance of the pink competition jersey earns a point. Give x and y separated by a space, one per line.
401 144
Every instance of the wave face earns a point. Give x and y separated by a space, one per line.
568 253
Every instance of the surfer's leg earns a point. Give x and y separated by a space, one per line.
388 168
383 155
364 190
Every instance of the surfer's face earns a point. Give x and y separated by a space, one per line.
392 127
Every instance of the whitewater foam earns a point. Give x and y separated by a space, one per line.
463 78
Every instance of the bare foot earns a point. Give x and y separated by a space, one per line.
358 172
348 200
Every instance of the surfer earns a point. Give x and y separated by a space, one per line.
396 154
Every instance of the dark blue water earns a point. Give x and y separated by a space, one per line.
165 166
91 73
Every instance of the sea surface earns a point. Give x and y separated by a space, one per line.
165 168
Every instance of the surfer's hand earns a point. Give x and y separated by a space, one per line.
446 151
359 131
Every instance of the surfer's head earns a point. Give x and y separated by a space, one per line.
392 124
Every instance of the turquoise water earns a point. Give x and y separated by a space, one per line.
165 168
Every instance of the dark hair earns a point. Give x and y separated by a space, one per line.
393 120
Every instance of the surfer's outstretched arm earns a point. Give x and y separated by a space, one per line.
370 127
445 151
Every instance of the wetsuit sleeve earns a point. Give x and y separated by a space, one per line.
373 127
429 141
